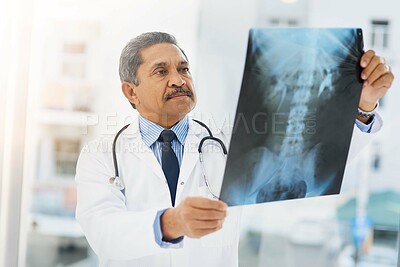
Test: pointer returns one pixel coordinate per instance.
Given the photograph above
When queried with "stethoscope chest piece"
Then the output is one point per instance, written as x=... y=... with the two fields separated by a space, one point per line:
x=117 y=182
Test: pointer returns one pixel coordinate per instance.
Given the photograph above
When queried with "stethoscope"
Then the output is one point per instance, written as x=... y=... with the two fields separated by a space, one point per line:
x=118 y=183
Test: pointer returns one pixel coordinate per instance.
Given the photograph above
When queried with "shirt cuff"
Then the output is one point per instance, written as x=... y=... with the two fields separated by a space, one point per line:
x=365 y=128
x=175 y=243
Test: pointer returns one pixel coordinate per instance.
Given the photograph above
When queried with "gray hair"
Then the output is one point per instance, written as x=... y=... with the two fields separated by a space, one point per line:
x=131 y=59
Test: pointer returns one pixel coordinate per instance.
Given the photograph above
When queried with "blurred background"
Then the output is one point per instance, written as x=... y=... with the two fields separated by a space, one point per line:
x=60 y=88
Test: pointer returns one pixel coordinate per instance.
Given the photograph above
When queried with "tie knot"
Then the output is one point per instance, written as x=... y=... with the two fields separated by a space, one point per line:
x=167 y=136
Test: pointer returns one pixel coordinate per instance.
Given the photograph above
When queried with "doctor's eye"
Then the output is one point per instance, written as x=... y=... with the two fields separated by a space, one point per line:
x=184 y=70
x=161 y=72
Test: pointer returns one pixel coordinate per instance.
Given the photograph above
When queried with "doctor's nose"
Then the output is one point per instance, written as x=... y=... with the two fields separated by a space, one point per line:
x=176 y=80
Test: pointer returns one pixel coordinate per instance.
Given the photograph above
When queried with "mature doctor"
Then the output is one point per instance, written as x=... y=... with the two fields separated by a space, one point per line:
x=165 y=215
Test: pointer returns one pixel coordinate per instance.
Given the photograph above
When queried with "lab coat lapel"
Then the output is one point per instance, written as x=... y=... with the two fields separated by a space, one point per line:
x=190 y=155
x=141 y=150
x=148 y=157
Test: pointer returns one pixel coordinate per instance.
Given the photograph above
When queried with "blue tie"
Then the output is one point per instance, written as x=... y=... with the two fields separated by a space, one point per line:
x=169 y=162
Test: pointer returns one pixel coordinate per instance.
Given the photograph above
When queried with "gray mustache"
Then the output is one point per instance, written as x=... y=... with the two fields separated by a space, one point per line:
x=178 y=91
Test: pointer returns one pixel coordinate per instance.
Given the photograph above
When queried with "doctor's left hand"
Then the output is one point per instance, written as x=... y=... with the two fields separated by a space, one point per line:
x=378 y=78
x=193 y=217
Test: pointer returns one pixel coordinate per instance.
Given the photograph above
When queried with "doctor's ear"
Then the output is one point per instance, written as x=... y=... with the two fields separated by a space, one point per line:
x=129 y=90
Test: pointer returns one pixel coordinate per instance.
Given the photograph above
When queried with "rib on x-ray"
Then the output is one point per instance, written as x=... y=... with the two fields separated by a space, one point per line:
x=295 y=115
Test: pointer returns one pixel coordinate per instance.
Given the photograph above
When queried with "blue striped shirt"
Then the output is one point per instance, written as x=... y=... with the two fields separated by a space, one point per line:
x=150 y=132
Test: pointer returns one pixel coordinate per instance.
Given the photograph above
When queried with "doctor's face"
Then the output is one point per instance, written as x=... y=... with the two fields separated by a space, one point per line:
x=165 y=93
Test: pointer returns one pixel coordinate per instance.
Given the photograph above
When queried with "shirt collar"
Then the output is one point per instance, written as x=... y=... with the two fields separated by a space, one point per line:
x=150 y=131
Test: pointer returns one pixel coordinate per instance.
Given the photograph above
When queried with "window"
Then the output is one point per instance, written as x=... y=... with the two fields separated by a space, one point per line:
x=376 y=159
x=376 y=162
x=66 y=156
x=380 y=34
x=283 y=22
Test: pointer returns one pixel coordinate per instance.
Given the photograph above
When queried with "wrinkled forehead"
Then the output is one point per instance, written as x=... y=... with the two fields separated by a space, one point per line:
x=163 y=53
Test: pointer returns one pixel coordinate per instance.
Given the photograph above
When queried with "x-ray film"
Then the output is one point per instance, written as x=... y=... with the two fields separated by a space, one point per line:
x=295 y=115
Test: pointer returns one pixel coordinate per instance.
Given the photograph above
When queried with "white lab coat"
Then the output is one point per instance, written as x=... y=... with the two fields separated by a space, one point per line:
x=120 y=228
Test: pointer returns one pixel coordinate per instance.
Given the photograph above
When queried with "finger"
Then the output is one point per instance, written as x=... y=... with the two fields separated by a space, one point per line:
x=385 y=81
x=191 y=209
x=201 y=214
x=375 y=61
x=205 y=203
x=380 y=70
x=204 y=225
x=366 y=58
x=203 y=232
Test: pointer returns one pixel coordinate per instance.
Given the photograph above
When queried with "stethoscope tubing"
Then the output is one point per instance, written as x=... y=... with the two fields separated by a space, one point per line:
x=117 y=182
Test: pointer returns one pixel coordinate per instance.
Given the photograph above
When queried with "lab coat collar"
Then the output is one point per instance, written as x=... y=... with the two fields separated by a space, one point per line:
x=140 y=149
x=133 y=130
x=190 y=155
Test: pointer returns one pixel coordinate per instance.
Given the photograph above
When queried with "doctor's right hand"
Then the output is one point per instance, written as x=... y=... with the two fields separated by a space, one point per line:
x=193 y=217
